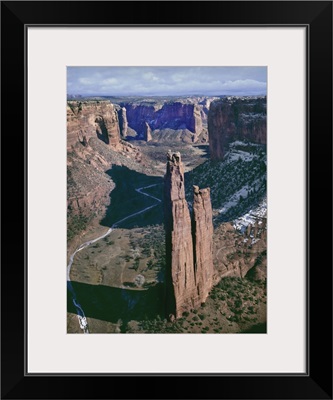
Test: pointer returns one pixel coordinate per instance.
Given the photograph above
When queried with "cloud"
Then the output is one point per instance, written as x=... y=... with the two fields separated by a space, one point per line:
x=86 y=81
x=177 y=77
x=149 y=76
x=246 y=83
x=110 y=81
x=122 y=81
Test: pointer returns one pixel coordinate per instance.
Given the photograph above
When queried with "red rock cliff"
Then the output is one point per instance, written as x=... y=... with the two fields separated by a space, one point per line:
x=189 y=272
x=233 y=119
x=91 y=119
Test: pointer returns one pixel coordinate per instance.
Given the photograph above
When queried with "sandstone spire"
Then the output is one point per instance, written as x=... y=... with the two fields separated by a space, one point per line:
x=179 y=247
x=147 y=133
x=202 y=241
x=123 y=124
x=189 y=269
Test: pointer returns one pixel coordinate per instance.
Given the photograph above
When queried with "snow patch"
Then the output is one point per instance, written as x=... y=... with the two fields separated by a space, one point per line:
x=235 y=154
x=235 y=198
x=251 y=217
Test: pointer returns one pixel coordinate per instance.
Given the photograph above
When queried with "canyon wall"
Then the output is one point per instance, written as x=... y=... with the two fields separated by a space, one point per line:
x=90 y=119
x=233 y=119
x=93 y=145
x=189 y=272
x=161 y=116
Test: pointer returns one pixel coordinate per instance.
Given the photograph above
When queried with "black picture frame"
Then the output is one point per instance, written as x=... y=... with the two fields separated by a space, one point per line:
x=316 y=16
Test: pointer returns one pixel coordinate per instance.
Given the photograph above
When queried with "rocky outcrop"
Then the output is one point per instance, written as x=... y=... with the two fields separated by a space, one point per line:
x=189 y=272
x=123 y=124
x=147 y=133
x=233 y=119
x=90 y=119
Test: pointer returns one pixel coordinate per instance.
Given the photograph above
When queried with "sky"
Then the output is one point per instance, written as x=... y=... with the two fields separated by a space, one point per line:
x=164 y=81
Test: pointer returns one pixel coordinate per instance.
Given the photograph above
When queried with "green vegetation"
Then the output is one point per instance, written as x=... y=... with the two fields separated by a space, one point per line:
x=238 y=293
x=151 y=244
x=159 y=325
x=240 y=310
x=75 y=225
x=229 y=177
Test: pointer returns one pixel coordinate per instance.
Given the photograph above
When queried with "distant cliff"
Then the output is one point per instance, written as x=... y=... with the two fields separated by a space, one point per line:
x=169 y=118
x=175 y=115
x=233 y=119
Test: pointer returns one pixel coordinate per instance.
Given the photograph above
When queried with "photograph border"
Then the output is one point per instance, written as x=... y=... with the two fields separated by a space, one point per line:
x=317 y=382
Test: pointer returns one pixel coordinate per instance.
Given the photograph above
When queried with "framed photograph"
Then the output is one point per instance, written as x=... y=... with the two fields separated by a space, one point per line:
x=177 y=178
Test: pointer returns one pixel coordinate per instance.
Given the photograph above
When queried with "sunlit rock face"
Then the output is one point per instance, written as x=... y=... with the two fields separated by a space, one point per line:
x=91 y=119
x=189 y=273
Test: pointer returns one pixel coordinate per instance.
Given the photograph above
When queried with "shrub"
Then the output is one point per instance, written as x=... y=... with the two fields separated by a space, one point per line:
x=238 y=303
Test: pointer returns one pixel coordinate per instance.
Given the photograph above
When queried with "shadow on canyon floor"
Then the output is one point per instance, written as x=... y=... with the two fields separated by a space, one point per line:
x=258 y=328
x=125 y=200
x=111 y=304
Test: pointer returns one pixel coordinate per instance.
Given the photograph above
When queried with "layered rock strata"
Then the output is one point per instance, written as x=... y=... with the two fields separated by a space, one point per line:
x=93 y=146
x=233 y=119
x=175 y=116
x=88 y=119
x=189 y=272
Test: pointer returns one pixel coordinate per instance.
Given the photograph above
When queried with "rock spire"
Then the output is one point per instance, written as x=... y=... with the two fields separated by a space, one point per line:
x=189 y=273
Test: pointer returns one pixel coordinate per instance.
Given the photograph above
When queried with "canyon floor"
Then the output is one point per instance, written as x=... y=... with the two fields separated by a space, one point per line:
x=119 y=280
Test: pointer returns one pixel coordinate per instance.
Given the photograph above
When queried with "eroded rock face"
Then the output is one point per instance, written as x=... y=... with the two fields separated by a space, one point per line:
x=202 y=241
x=189 y=272
x=90 y=119
x=179 y=247
x=93 y=146
x=235 y=119
x=174 y=116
